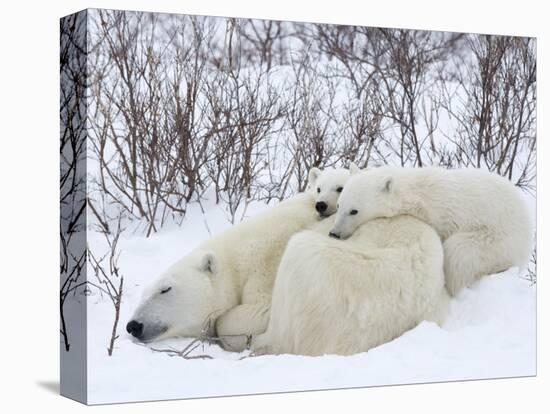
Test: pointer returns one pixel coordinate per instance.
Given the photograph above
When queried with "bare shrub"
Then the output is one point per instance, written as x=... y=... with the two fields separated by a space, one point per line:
x=148 y=134
x=243 y=109
x=182 y=105
x=497 y=117
x=72 y=184
x=108 y=279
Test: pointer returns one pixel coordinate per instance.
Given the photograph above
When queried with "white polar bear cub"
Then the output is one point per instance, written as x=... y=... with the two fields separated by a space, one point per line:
x=481 y=217
x=345 y=297
x=326 y=186
x=227 y=279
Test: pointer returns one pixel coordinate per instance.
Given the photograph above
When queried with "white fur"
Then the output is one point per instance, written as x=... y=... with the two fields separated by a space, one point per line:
x=344 y=297
x=229 y=277
x=326 y=186
x=481 y=217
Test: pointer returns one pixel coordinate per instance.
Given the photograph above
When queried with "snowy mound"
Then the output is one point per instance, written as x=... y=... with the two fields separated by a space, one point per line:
x=490 y=333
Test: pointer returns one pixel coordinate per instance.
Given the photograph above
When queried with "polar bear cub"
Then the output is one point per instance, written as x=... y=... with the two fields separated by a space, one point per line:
x=326 y=186
x=345 y=297
x=481 y=217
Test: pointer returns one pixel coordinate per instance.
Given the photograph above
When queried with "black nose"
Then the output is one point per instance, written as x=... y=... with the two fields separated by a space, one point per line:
x=335 y=235
x=320 y=206
x=134 y=328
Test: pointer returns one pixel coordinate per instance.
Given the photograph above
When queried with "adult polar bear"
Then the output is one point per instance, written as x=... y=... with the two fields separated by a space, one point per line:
x=344 y=297
x=229 y=278
x=481 y=217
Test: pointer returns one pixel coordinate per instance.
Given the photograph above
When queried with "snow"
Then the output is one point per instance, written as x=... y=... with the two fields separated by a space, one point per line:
x=490 y=333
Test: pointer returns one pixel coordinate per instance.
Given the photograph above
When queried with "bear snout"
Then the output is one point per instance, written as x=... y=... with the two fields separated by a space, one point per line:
x=321 y=206
x=135 y=328
x=334 y=235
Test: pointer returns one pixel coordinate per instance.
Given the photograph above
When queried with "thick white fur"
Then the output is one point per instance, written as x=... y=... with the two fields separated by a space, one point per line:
x=343 y=297
x=481 y=217
x=326 y=185
x=229 y=276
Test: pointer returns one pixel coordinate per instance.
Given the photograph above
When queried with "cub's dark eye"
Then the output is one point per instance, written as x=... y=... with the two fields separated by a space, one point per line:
x=165 y=290
x=353 y=212
x=318 y=190
x=339 y=189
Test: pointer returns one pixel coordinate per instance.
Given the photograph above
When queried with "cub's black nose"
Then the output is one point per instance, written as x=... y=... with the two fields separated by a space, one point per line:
x=335 y=235
x=321 y=206
x=134 y=328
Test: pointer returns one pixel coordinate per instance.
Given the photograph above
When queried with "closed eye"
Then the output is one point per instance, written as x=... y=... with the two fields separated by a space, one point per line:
x=165 y=290
x=353 y=212
x=339 y=189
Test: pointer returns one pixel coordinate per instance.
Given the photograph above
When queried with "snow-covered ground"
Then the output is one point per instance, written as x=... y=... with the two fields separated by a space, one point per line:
x=490 y=333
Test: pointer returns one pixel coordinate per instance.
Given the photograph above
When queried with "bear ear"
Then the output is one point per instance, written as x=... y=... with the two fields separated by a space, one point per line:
x=388 y=185
x=354 y=169
x=314 y=173
x=209 y=263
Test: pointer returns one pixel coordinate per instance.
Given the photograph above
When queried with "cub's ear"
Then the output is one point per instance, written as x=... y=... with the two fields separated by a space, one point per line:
x=209 y=263
x=388 y=185
x=314 y=173
x=354 y=169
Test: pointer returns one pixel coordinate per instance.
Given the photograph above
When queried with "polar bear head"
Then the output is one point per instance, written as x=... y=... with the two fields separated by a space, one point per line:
x=326 y=186
x=179 y=302
x=366 y=196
